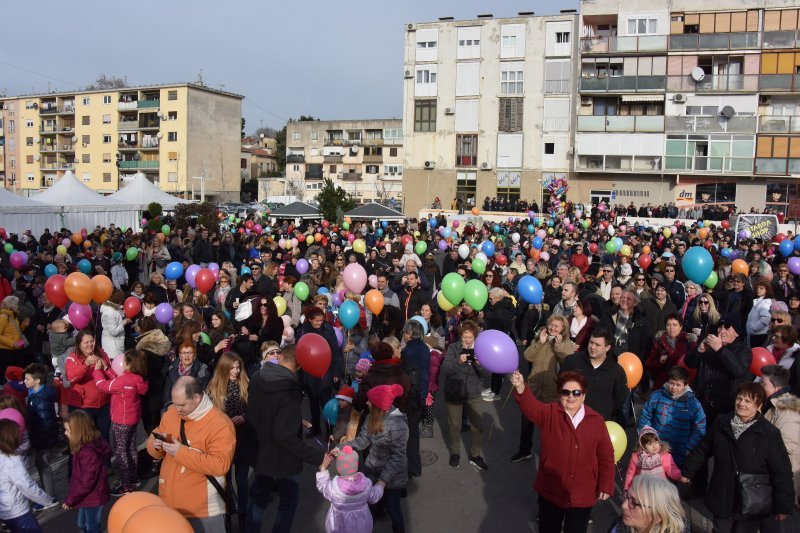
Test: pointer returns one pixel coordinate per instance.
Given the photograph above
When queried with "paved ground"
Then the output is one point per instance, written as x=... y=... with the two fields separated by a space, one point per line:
x=501 y=499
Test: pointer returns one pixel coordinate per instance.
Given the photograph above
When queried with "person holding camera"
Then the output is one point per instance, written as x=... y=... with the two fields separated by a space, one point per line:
x=462 y=378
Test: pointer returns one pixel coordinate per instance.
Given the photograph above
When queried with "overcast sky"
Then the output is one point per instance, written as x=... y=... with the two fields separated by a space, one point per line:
x=332 y=60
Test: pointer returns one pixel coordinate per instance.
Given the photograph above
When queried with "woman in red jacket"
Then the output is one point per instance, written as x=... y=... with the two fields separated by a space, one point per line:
x=576 y=463
x=83 y=392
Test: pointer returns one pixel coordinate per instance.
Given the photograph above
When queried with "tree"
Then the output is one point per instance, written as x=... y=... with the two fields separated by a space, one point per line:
x=333 y=199
x=280 y=148
x=295 y=188
x=107 y=82
x=243 y=122
x=205 y=214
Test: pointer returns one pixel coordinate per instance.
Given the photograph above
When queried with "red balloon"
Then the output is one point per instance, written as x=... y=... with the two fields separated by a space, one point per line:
x=604 y=223
x=325 y=223
x=54 y=289
x=2 y=233
x=314 y=354
x=501 y=260
x=779 y=238
x=131 y=307
x=405 y=239
x=761 y=357
x=204 y=280
x=725 y=224
x=593 y=248
x=249 y=224
x=692 y=371
x=645 y=261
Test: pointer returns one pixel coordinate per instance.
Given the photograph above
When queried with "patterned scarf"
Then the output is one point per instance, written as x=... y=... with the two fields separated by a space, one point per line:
x=650 y=463
x=738 y=426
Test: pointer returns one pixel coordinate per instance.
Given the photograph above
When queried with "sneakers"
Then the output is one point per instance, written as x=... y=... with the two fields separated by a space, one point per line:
x=521 y=456
x=478 y=463
x=426 y=432
x=119 y=490
x=491 y=397
x=486 y=392
x=455 y=459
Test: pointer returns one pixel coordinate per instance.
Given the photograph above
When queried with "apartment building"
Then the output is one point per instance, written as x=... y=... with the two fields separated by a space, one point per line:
x=688 y=103
x=171 y=133
x=364 y=157
x=487 y=107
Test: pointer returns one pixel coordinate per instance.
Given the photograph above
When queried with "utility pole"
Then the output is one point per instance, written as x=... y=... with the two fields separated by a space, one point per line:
x=202 y=187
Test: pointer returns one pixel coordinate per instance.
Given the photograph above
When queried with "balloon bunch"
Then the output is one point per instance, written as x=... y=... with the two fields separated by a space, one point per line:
x=455 y=289
x=145 y=511
x=557 y=187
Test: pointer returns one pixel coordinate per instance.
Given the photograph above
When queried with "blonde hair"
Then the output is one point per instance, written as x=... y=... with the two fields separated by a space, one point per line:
x=58 y=323
x=374 y=421
x=218 y=388
x=713 y=313
x=660 y=502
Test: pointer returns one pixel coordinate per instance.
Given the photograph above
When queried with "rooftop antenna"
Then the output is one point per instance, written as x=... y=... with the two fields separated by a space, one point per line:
x=200 y=77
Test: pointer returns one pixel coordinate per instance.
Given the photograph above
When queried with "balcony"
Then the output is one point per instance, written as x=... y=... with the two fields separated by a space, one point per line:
x=619 y=124
x=778 y=124
x=149 y=144
x=295 y=158
x=779 y=82
x=780 y=39
x=139 y=164
x=729 y=83
x=372 y=142
x=70 y=147
x=149 y=104
x=127 y=125
x=59 y=165
x=618 y=163
x=313 y=175
x=67 y=110
x=714 y=41
x=128 y=106
x=779 y=166
x=712 y=124
x=48 y=130
x=351 y=176
x=373 y=159
x=602 y=44
x=48 y=109
x=719 y=164
x=332 y=159
x=623 y=84
x=48 y=147
x=128 y=146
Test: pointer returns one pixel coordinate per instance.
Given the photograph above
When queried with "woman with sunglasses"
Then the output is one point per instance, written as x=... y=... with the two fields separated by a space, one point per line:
x=640 y=286
x=693 y=291
x=576 y=463
x=704 y=318
x=652 y=505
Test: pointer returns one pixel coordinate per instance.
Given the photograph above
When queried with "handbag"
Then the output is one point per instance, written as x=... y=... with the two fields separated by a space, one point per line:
x=455 y=389
x=754 y=491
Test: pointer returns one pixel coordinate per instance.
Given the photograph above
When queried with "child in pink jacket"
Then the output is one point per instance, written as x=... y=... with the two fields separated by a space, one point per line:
x=651 y=459
x=126 y=392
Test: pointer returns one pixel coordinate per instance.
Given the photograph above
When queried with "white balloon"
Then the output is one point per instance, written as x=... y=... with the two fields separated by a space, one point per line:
x=611 y=230
x=515 y=237
x=463 y=251
x=482 y=256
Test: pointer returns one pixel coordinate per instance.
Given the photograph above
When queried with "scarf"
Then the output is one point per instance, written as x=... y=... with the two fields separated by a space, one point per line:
x=650 y=464
x=739 y=426
x=184 y=370
x=205 y=406
x=576 y=326
x=233 y=404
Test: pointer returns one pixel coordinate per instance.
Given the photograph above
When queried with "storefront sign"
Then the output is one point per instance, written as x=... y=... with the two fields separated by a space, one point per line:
x=685 y=195
x=762 y=227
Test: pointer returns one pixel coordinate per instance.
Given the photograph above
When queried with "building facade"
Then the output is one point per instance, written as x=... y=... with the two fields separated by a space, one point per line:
x=487 y=109
x=364 y=157
x=171 y=133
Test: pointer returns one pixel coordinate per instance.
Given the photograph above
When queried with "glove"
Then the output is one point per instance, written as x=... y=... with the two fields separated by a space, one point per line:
x=429 y=400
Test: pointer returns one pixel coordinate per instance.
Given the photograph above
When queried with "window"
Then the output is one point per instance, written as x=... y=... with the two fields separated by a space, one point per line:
x=296 y=136
x=86 y=158
x=296 y=168
x=172 y=156
x=469 y=42
x=172 y=136
x=13 y=177
x=512 y=40
x=106 y=176
x=372 y=169
x=425 y=115
x=509 y=41
x=511 y=79
x=172 y=95
x=468 y=78
x=706 y=110
x=426 y=44
x=332 y=169
x=28 y=141
x=641 y=26
x=392 y=170
x=425 y=81
x=28 y=123
x=393 y=134
x=85 y=100
x=87 y=176
x=315 y=135
x=509 y=150
x=172 y=177
x=508 y=184
x=562 y=37
x=426 y=76
x=11 y=126
x=106 y=100
x=29 y=159
x=549 y=148
x=85 y=140
x=172 y=115
x=106 y=139
x=106 y=158
x=85 y=120
x=106 y=119
x=466 y=150
x=466 y=185
x=29 y=104
x=715 y=193
x=392 y=152
x=243 y=163
x=31 y=177
x=511 y=114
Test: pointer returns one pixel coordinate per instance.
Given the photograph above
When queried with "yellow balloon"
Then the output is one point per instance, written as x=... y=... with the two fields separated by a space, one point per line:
x=61 y=249
x=310 y=239
x=359 y=246
x=444 y=304
x=280 y=304
x=288 y=245
x=667 y=232
x=549 y=231
x=416 y=234
x=618 y=439
x=625 y=250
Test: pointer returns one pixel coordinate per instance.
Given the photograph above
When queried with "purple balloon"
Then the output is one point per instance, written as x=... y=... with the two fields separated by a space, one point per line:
x=80 y=315
x=213 y=267
x=302 y=266
x=496 y=352
x=744 y=234
x=191 y=272
x=442 y=245
x=337 y=299
x=17 y=260
x=339 y=336
x=164 y=311
x=794 y=265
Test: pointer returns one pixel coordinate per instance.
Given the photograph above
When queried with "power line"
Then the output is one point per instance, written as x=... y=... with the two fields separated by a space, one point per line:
x=249 y=101
x=38 y=73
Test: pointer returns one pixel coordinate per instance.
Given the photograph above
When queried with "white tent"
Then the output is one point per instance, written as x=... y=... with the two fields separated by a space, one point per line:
x=141 y=191
x=18 y=214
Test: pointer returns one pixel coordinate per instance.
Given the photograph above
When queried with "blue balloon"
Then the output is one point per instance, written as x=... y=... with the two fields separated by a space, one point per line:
x=618 y=242
x=537 y=242
x=725 y=252
x=50 y=270
x=550 y=223
x=537 y=220
x=331 y=411
x=496 y=228
x=385 y=224
x=786 y=247
x=255 y=253
x=446 y=233
x=530 y=228
x=85 y=266
x=323 y=290
x=349 y=314
x=797 y=243
x=530 y=289
x=379 y=232
x=697 y=264
x=174 y=270
x=245 y=270
x=432 y=223
x=421 y=321
x=700 y=223
x=488 y=248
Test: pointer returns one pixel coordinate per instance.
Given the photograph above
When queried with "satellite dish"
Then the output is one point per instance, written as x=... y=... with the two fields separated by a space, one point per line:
x=354 y=149
x=698 y=74
x=727 y=111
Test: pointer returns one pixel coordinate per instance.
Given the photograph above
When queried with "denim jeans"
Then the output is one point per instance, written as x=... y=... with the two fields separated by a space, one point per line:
x=260 y=495
x=24 y=524
x=89 y=519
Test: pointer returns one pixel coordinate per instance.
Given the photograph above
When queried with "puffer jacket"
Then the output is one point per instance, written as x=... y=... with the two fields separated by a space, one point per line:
x=680 y=422
x=42 y=422
x=17 y=487
x=759 y=316
x=658 y=370
x=113 y=338
x=88 y=486
x=472 y=373
x=545 y=359
x=126 y=394
x=9 y=330
x=82 y=391
x=387 y=458
x=785 y=415
x=719 y=374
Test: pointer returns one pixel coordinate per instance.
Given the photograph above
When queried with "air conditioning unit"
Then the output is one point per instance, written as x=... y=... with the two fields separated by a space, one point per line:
x=486 y=166
x=429 y=165
x=449 y=111
x=408 y=75
x=411 y=27
x=586 y=100
x=764 y=100
x=85 y=145
x=679 y=98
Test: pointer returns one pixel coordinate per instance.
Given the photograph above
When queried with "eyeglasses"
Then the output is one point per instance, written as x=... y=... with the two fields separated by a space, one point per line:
x=777 y=337
x=274 y=352
x=776 y=320
x=187 y=353
x=633 y=503
x=639 y=279
x=669 y=270
x=577 y=393
x=489 y=276
x=607 y=270
x=703 y=302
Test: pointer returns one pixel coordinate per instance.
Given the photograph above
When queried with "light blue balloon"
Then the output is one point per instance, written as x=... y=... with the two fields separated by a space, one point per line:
x=421 y=320
x=379 y=232
x=697 y=264
x=618 y=242
x=323 y=290
x=550 y=223
x=50 y=270
x=496 y=228
x=245 y=270
x=349 y=314
x=85 y=266
x=530 y=228
x=385 y=224
x=446 y=233
x=330 y=412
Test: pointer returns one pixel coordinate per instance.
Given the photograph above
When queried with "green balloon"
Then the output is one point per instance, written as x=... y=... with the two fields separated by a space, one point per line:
x=346 y=225
x=711 y=280
x=132 y=253
x=165 y=230
x=453 y=288
x=420 y=248
x=475 y=294
x=204 y=338
x=301 y=290
x=8 y=248
x=478 y=266
x=611 y=247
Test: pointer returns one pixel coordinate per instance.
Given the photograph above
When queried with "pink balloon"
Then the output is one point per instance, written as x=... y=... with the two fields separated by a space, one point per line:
x=118 y=364
x=541 y=234
x=355 y=277
x=12 y=414
x=16 y=260
x=258 y=229
x=544 y=256
x=373 y=281
x=294 y=243
x=351 y=238
x=66 y=243
x=282 y=243
x=601 y=208
x=80 y=315
x=455 y=223
x=556 y=242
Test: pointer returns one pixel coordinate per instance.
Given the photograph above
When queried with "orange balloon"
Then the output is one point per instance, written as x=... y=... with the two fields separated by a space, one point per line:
x=127 y=506
x=101 y=288
x=645 y=250
x=739 y=266
x=702 y=233
x=76 y=238
x=87 y=244
x=79 y=288
x=632 y=367
x=318 y=237
x=374 y=301
x=161 y=236
x=157 y=518
x=476 y=211
x=535 y=254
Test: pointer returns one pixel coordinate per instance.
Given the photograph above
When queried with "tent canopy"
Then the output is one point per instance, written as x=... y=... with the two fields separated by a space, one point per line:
x=70 y=192
x=373 y=211
x=296 y=210
x=9 y=199
x=141 y=192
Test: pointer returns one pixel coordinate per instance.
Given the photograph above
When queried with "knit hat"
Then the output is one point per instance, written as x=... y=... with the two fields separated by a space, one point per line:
x=14 y=373
x=778 y=306
x=735 y=321
x=645 y=430
x=382 y=352
x=363 y=365
x=346 y=393
x=382 y=396
x=347 y=461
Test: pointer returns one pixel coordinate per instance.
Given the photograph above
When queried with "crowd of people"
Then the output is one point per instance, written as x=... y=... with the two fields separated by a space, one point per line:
x=205 y=336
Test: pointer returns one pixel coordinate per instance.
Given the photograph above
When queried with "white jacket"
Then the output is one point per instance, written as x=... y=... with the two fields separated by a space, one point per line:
x=113 y=340
x=758 y=318
x=17 y=487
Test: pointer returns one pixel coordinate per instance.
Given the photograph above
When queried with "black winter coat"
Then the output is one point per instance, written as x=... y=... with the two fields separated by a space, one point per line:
x=500 y=316
x=43 y=426
x=607 y=385
x=640 y=336
x=719 y=374
x=759 y=450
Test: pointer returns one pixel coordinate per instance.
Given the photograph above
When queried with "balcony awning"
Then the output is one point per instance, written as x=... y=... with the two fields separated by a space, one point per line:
x=642 y=97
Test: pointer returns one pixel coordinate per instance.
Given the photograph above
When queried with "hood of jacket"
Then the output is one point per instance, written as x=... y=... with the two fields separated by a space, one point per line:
x=277 y=378
x=108 y=306
x=154 y=341
x=686 y=396
x=787 y=401
x=100 y=446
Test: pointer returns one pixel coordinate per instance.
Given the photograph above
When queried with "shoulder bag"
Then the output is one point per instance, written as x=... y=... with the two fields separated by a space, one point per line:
x=754 y=492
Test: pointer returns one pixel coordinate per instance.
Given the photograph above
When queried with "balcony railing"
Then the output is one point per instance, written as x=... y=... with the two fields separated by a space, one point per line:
x=334 y=142
x=372 y=142
x=616 y=123
x=48 y=109
x=779 y=166
x=623 y=84
x=47 y=147
x=124 y=106
x=778 y=124
x=602 y=44
x=295 y=158
x=332 y=159
x=714 y=83
x=48 y=130
x=67 y=110
x=781 y=39
x=123 y=125
x=145 y=104
x=314 y=175
x=128 y=145
x=151 y=144
x=618 y=163
x=557 y=86
x=351 y=176
x=715 y=41
x=779 y=82
x=138 y=164
x=703 y=163
x=712 y=124
x=62 y=165
x=373 y=159
x=148 y=124
x=65 y=147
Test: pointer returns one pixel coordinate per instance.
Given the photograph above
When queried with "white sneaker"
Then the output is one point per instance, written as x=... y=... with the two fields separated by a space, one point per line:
x=491 y=397
x=486 y=392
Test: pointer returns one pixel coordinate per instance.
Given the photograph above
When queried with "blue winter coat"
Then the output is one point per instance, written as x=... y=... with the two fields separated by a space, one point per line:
x=681 y=422
x=42 y=422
